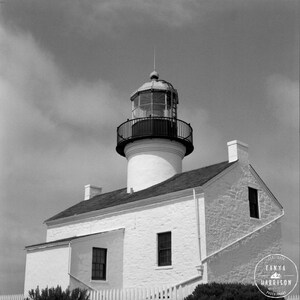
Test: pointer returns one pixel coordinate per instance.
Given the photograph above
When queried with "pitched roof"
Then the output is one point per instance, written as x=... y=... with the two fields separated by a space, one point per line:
x=178 y=182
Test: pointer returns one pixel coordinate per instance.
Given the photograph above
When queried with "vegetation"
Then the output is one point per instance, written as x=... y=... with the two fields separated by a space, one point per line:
x=227 y=291
x=58 y=294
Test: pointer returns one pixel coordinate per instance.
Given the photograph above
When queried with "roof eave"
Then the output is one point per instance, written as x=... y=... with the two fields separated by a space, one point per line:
x=164 y=198
x=67 y=241
x=139 y=203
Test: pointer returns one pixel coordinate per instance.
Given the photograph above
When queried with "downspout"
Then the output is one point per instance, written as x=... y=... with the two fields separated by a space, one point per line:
x=69 y=262
x=199 y=268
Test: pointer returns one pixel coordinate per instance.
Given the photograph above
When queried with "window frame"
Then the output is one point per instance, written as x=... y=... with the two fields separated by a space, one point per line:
x=95 y=269
x=253 y=198
x=161 y=249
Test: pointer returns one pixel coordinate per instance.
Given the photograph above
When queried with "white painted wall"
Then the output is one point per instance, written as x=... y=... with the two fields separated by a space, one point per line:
x=48 y=267
x=140 y=241
x=227 y=218
x=81 y=259
x=227 y=208
x=237 y=263
x=151 y=161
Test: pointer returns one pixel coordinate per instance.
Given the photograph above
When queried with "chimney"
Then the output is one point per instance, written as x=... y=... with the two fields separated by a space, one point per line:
x=91 y=191
x=238 y=151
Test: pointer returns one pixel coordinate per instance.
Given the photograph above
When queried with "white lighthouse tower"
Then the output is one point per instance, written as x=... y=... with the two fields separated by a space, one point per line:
x=154 y=141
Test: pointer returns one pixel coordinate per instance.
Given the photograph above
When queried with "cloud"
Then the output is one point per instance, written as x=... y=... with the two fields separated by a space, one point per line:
x=48 y=121
x=114 y=15
x=109 y=15
x=283 y=99
x=106 y=16
x=54 y=133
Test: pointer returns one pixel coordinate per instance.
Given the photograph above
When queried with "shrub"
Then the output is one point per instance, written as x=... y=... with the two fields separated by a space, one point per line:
x=58 y=294
x=227 y=291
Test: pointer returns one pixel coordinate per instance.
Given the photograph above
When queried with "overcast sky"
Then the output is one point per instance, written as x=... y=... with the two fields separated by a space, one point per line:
x=68 y=68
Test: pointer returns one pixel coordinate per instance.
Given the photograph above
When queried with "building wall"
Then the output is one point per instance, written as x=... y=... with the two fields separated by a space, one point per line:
x=48 y=267
x=82 y=258
x=227 y=219
x=237 y=263
x=227 y=208
x=140 y=240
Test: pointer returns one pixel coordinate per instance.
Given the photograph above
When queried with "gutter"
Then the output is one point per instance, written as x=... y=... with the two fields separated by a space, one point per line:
x=242 y=238
x=121 y=208
x=137 y=204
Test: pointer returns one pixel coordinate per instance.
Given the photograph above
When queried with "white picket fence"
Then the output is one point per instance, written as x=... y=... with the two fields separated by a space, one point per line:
x=293 y=297
x=171 y=293
x=12 y=297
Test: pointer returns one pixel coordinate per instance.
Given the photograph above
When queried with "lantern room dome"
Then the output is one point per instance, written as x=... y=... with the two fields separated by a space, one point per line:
x=155 y=84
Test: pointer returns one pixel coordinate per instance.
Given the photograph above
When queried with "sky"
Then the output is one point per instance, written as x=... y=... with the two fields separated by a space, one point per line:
x=68 y=68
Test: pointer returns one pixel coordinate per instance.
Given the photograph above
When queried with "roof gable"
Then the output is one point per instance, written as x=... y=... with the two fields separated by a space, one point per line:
x=178 y=182
x=265 y=187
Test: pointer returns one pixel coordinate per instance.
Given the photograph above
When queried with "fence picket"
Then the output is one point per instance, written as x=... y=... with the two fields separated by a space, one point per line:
x=145 y=293
x=12 y=297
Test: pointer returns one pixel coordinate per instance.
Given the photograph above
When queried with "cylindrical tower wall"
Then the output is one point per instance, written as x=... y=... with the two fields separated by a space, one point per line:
x=151 y=161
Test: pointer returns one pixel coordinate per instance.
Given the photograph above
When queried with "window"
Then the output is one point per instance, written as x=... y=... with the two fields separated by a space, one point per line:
x=164 y=249
x=253 y=202
x=99 y=264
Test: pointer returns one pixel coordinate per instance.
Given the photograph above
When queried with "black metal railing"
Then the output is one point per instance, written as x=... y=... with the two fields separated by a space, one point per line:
x=154 y=127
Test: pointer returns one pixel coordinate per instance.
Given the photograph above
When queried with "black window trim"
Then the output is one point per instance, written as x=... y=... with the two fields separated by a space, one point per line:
x=168 y=263
x=94 y=263
x=253 y=202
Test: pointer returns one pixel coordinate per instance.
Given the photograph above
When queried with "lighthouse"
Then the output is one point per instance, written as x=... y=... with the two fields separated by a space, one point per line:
x=154 y=141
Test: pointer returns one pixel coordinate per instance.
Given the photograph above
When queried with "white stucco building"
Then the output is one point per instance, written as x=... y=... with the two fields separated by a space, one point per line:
x=167 y=226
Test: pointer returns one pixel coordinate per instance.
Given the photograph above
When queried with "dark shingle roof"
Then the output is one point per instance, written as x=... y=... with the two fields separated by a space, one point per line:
x=178 y=182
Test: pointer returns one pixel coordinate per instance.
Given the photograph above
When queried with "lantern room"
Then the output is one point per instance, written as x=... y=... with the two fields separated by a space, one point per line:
x=156 y=98
x=154 y=115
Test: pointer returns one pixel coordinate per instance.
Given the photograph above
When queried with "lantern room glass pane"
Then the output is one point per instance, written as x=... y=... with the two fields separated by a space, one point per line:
x=136 y=101
x=158 y=98
x=145 y=110
x=139 y=113
x=145 y=98
x=154 y=104
x=169 y=102
x=158 y=110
